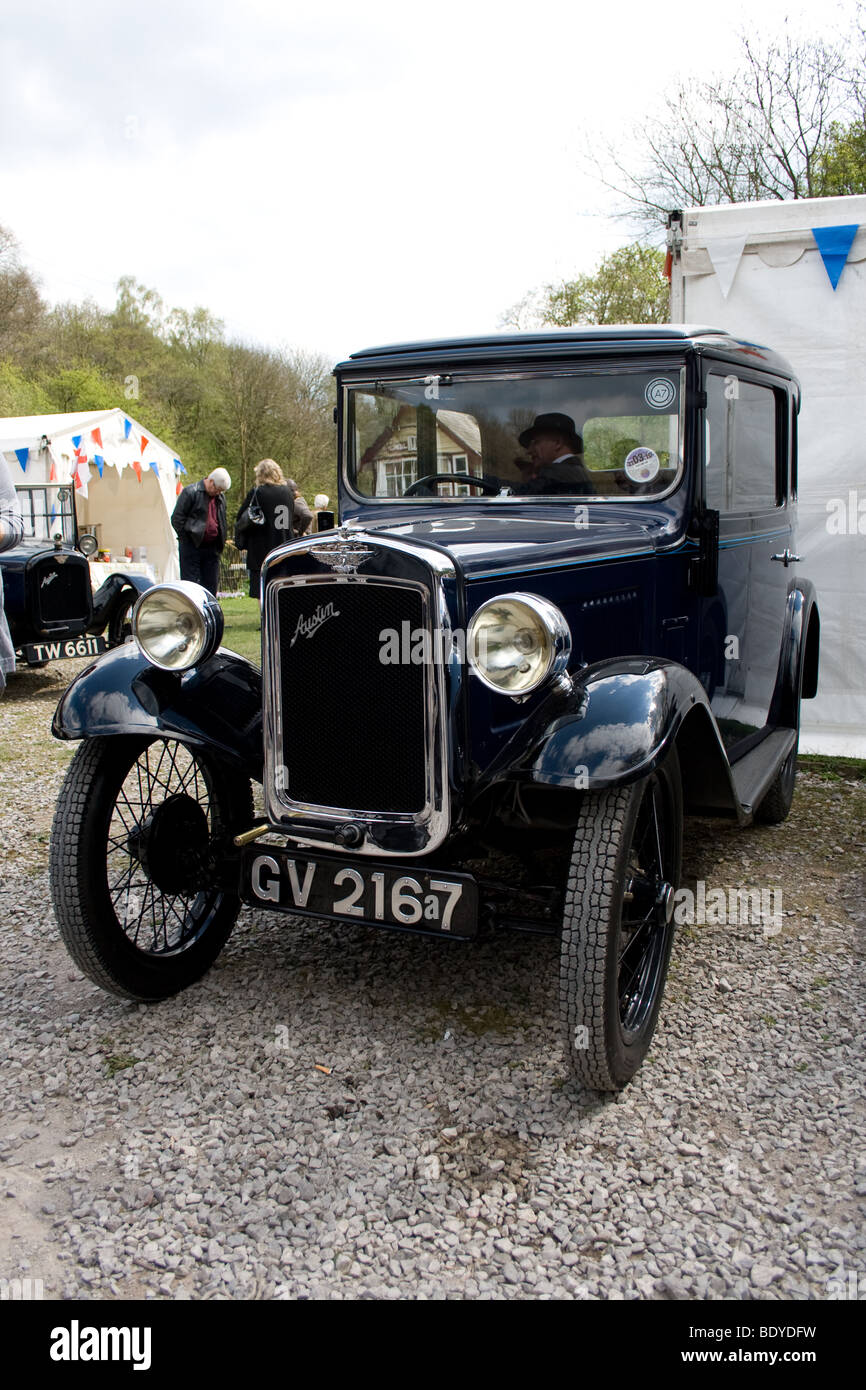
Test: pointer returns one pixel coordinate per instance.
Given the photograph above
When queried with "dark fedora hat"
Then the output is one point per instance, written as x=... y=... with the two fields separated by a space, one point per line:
x=553 y=424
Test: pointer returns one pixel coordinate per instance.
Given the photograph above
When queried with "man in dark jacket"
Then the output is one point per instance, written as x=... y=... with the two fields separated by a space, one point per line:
x=556 y=453
x=199 y=518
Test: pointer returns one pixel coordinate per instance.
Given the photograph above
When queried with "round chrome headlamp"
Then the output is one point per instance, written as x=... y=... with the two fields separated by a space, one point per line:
x=177 y=625
x=516 y=642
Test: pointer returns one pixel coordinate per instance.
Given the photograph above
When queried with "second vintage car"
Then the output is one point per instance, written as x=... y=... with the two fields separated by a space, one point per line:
x=562 y=609
x=52 y=612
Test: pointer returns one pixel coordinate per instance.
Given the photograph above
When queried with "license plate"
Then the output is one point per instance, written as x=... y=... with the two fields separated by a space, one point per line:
x=37 y=653
x=392 y=896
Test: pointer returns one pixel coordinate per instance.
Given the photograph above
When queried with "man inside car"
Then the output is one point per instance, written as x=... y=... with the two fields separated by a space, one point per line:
x=556 y=458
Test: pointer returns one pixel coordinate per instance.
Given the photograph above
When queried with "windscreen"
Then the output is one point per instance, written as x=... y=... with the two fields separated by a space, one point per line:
x=609 y=434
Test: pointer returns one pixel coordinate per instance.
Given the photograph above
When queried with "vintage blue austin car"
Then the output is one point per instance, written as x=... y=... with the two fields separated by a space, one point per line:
x=562 y=608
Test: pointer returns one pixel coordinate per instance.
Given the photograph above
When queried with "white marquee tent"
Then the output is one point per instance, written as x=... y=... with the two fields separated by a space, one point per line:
x=125 y=480
x=793 y=275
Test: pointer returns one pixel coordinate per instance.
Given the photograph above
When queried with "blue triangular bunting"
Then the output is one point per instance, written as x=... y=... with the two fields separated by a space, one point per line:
x=22 y=456
x=76 y=440
x=154 y=465
x=100 y=463
x=127 y=426
x=834 y=243
x=178 y=466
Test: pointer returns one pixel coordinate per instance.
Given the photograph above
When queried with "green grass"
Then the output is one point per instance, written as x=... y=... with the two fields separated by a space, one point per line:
x=834 y=769
x=243 y=627
x=119 y=1061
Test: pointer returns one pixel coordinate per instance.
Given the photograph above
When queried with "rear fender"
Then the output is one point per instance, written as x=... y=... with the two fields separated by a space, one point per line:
x=217 y=705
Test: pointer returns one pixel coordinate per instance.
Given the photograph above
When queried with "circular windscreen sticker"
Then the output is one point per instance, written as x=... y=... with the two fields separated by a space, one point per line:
x=642 y=465
x=660 y=393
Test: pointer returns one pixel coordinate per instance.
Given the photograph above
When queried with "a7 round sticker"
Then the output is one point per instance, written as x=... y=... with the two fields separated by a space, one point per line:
x=641 y=465
x=659 y=393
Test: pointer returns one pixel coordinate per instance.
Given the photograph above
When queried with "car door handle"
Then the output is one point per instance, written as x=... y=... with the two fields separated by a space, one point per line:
x=787 y=558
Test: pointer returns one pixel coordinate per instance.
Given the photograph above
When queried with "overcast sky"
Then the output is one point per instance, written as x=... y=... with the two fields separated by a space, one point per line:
x=335 y=176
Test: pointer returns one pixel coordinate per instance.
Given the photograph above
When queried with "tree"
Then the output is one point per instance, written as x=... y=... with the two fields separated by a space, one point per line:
x=763 y=133
x=21 y=307
x=842 y=161
x=629 y=286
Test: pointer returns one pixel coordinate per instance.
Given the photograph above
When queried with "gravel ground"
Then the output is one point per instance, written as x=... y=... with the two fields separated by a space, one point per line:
x=196 y=1149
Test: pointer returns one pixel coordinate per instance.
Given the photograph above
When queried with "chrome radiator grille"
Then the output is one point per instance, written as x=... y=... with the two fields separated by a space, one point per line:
x=62 y=590
x=353 y=730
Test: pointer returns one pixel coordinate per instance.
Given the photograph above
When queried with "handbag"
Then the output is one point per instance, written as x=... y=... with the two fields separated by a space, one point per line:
x=254 y=510
x=249 y=515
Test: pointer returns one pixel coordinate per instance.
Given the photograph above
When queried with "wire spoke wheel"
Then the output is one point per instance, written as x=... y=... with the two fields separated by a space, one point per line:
x=140 y=828
x=618 y=924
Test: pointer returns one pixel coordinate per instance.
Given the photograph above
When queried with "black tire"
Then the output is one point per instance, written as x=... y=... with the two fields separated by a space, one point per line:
x=120 y=623
x=777 y=802
x=618 y=924
x=135 y=843
x=775 y=806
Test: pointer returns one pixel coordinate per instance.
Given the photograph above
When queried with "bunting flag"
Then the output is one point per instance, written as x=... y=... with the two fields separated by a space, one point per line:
x=834 y=243
x=82 y=477
x=53 y=512
x=178 y=488
x=76 y=442
x=127 y=426
x=155 y=466
x=52 y=476
x=178 y=466
x=137 y=466
x=22 y=456
x=725 y=252
x=96 y=436
x=99 y=461
x=144 y=443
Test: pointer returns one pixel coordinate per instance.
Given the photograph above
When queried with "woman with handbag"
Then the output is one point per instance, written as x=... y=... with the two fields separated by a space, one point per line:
x=265 y=519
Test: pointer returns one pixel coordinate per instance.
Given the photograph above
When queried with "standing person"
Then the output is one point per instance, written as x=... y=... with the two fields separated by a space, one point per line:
x=11 y=532
x=199 y=518
x=303 y=515
x=272 y=498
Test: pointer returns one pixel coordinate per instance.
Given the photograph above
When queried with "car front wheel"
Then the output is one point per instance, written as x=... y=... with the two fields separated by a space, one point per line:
x=618 y=924
x=140 y=829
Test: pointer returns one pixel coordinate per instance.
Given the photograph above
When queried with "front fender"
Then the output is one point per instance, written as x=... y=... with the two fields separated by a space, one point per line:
x=113 y=595
x=217 y=705
x=618 y=723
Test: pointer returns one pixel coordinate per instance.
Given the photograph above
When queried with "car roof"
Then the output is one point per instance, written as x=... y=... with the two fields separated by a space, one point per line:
x=572 y=342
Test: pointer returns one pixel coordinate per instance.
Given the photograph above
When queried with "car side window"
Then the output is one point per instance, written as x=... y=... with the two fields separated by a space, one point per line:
x=741 y=445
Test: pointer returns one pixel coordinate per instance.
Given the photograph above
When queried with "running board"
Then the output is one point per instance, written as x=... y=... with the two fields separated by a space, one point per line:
x=754 y=773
